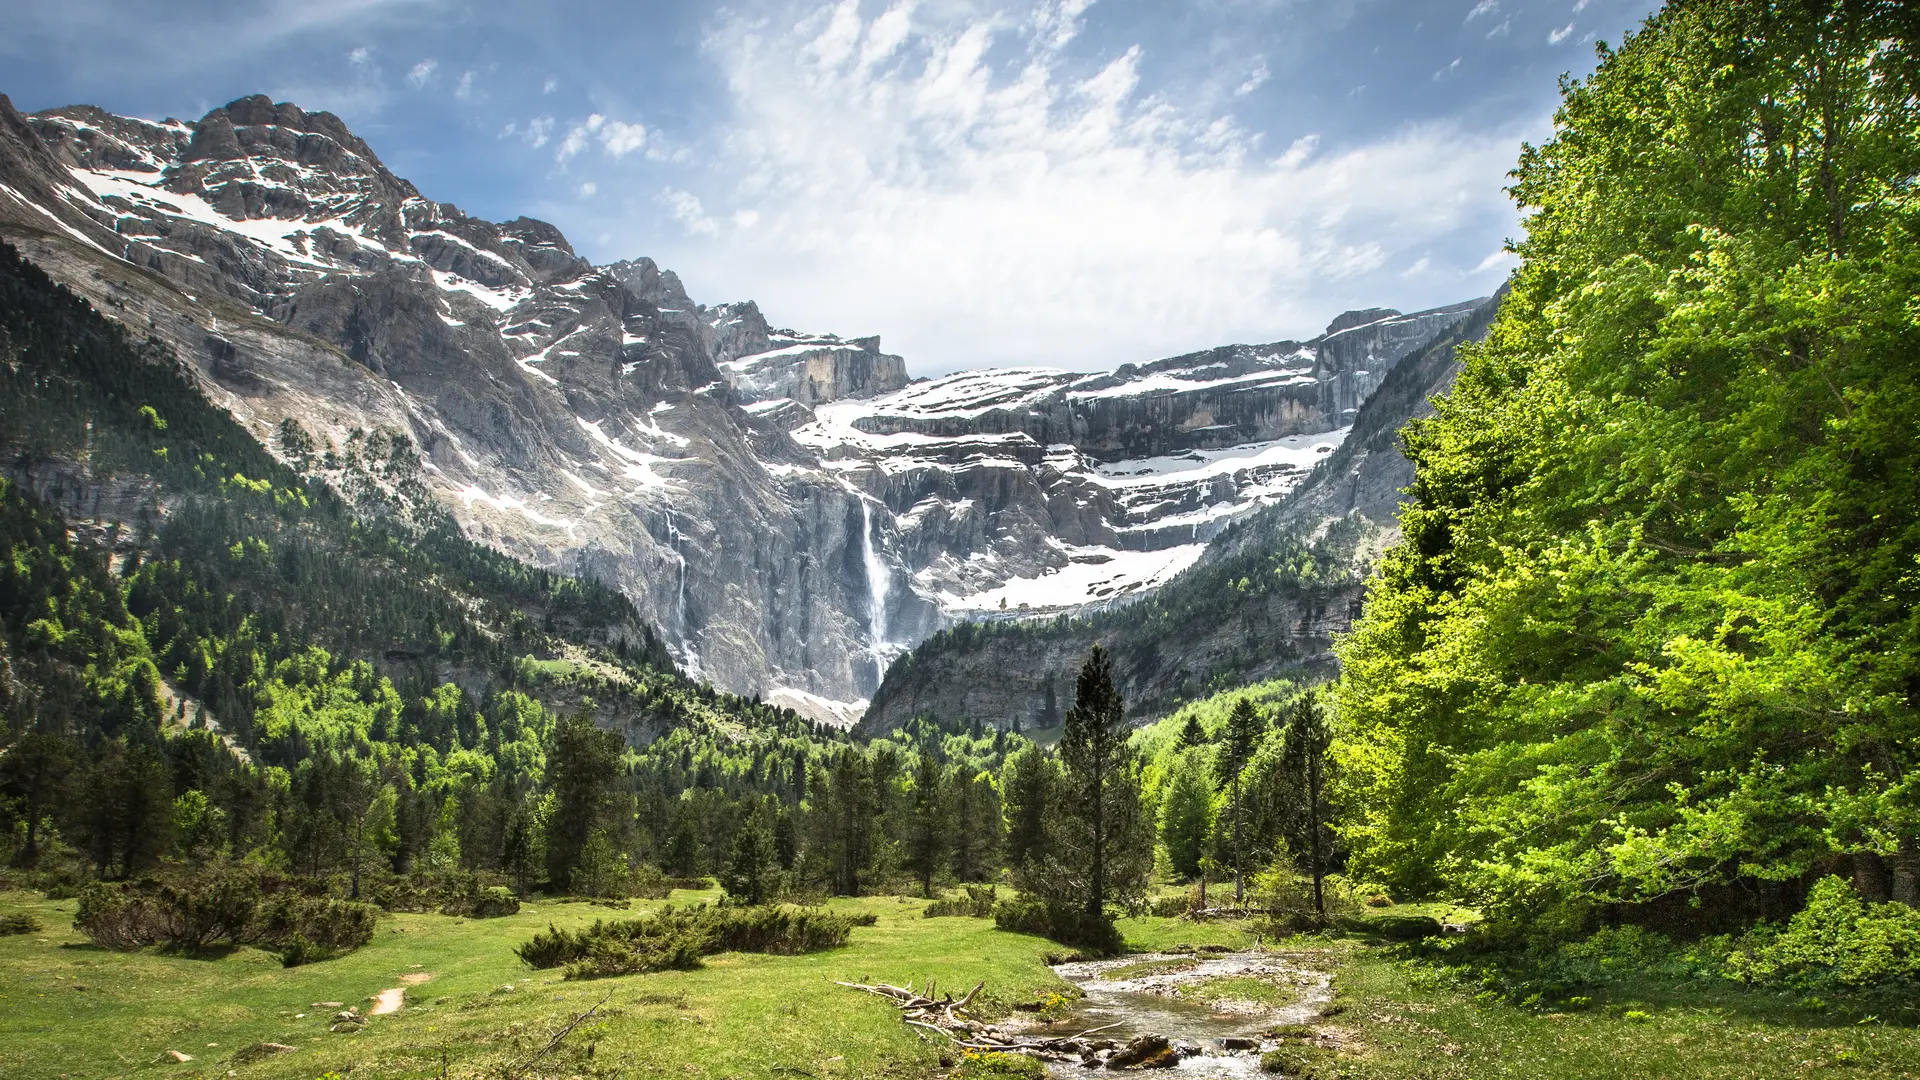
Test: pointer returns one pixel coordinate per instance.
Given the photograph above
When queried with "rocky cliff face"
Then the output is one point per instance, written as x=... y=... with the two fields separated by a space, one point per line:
x=787 y=507
x=1243 y=612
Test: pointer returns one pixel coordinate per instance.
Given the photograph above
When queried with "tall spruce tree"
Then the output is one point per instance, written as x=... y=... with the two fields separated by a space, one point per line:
x=1104 y=839
x=583 y=771
x=1186 y=815
x=1244 y=728
x=1029 y=786
x=1308 y=739
x=928 y=824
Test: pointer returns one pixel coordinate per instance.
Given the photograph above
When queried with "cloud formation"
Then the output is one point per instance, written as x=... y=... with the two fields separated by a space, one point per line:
x=884 y=171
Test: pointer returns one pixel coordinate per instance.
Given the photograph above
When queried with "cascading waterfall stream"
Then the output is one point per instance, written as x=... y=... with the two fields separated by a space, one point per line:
x=877 y=585
x=690 y=657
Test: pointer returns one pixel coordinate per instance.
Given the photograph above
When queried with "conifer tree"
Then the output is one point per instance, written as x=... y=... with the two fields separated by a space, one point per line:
x=928 y=825
x=1105 y=841
x=753 y=867
x=1244 y=728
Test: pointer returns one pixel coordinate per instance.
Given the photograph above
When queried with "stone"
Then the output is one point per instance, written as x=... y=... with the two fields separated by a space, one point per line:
x=1140 y=1050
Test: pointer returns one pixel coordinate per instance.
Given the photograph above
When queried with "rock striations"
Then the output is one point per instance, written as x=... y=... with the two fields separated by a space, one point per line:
x=790 y=509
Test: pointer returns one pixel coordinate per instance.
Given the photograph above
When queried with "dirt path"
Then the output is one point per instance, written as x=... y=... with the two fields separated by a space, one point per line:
x=389 y=1001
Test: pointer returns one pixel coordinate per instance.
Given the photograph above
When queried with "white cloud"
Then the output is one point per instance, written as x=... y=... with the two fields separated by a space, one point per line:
x=1254 y=81
x=622 y=139
x=1499 y=258
x=1555 y=37
x=422 y=73
x=981 y=197
x=550 y=85
x=360 y=57
x=685 y=208
x=1448 y=70
x=1484 y=7
x=1419 y=267
x=465 y=89
x=616 y=137
x=1579 y=6
x=537 y=132
x=1505 y=27
x=588 y=188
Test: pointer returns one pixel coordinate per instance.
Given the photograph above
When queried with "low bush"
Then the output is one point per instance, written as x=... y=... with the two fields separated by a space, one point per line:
x=649 y=883
x=223 y=906
x=1837 y=943
x=483 y=902
x=976 y=903
x=975 y=1065
x=1058 y=922
x=676 y=938
x=18 y=924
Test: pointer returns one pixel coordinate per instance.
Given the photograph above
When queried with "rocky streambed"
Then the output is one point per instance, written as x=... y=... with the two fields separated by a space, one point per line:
x=1203 y=1014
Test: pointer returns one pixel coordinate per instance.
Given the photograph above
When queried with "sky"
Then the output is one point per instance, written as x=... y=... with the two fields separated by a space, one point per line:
x=1064 y=183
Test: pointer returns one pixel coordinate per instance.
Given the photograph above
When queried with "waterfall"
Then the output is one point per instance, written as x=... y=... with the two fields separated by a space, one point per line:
x=690 y=659
x=877 y=584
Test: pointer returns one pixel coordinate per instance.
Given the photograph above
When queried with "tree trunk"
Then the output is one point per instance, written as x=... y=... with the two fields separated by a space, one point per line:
x=1870 y=877
x=1239 y=880
x=1313 y=825
x=1906 y=872
x=1097 y=895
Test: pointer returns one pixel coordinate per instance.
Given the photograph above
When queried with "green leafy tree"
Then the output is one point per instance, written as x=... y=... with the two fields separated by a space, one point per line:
x=1650 y=631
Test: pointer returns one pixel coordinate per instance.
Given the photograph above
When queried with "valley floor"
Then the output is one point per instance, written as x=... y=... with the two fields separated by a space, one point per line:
x=71 y=1011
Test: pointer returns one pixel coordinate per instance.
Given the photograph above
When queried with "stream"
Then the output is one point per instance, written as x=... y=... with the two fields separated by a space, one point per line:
x=1164 y=1000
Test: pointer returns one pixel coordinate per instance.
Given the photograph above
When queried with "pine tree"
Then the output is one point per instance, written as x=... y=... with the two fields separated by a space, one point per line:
x=1192 y=734
x=1029 y=784
x=1307 y=741
x=1244 y=728
x=1104 y=838
x=582 y=772
x=928 y=824
x=1186 y=815
x=753 y=867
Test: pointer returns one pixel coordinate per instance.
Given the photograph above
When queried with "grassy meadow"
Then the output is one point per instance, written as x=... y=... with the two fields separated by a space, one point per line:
x=69 y=1010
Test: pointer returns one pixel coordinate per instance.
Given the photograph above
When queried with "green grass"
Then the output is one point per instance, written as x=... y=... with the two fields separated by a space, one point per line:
x=1400 y=1026
x=741 y=1015
x=70 y=1010
x=1149 y=967
x=1249 y=988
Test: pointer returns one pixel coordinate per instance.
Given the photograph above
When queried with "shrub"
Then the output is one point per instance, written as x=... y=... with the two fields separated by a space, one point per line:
x=1067 y=925
x=676 y=938
x=230 y=906
x=649 y=883
x=18 y=924
x=977 y=903
x=483 y=902
x=977 y=1064
x=1838 y=941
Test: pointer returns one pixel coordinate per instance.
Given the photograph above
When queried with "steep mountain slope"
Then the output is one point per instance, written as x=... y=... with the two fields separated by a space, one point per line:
x=1263 y=602
x=786 y=507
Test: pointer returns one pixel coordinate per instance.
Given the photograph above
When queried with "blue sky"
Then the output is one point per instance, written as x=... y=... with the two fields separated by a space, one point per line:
x=1074 y=183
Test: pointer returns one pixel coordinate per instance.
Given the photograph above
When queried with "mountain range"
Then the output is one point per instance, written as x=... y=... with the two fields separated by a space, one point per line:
x=791 y=510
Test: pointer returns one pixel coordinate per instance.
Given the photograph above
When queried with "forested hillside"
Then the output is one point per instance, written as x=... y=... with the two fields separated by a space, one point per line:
x=1649 y=650
x=224 y=660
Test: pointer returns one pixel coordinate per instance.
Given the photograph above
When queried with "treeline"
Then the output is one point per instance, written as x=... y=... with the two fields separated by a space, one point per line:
x=1649 y=652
